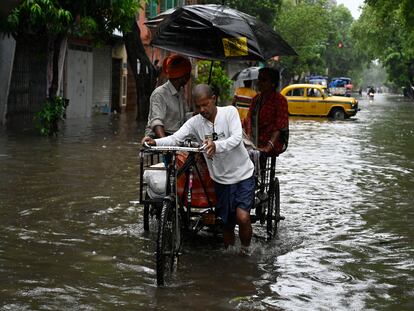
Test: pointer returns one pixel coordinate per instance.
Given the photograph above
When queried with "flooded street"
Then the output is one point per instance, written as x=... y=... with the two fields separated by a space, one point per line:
x=72 y=236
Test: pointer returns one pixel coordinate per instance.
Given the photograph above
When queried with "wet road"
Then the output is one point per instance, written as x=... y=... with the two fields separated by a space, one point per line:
x=72 y=235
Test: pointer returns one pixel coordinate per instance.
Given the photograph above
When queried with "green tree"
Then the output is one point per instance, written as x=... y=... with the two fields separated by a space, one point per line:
x=304 y=25
x=339 y=54
x=265 y=10
x=385 y=32
x=320 y=31
x=388 y=7
x=219 y=81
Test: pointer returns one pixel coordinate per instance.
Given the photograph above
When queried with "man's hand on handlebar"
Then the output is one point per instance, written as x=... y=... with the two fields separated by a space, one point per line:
x=148 y=140
x=210 y=148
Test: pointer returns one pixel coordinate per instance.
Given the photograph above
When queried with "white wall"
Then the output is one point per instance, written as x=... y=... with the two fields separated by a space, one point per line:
x=79 y=83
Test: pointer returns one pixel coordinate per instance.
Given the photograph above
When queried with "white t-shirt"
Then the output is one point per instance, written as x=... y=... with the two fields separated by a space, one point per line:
x=231 y=163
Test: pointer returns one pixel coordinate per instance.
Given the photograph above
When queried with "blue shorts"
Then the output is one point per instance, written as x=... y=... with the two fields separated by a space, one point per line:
x=231 y=197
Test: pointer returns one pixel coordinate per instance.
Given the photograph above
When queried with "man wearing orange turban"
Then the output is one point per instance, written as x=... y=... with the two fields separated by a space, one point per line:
x=168 y=109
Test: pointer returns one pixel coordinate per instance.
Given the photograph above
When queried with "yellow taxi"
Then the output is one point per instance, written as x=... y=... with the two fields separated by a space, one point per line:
x=315 y=100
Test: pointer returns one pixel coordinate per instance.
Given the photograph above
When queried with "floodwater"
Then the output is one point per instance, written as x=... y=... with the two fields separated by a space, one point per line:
x=72 y=236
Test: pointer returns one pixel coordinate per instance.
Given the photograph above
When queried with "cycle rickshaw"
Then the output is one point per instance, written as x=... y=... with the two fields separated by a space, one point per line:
x=217 y=33
x=179 y=212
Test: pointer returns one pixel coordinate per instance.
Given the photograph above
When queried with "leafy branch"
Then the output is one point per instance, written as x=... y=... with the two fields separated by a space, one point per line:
x=47 y=119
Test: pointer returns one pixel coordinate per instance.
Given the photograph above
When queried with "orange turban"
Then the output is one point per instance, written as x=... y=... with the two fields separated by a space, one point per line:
x=176 y=66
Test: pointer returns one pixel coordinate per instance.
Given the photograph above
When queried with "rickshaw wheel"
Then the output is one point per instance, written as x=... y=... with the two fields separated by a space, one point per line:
x=167 y=244
x=273 y=209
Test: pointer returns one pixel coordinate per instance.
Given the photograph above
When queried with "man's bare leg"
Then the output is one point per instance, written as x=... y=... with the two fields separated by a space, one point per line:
x=245 y=226
x=228 y=237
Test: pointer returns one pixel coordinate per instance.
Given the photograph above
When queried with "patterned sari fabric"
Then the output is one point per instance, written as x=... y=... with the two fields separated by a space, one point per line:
x=271 y=115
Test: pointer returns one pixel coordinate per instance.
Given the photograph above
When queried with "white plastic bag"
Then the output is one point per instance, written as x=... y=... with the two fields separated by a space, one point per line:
x=155 y=180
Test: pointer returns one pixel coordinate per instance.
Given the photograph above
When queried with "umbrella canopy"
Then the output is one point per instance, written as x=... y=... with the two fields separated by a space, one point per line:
x=251 y=73
x=216 y=32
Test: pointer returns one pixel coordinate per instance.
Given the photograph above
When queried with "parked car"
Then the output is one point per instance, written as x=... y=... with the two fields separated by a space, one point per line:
x=315 y=100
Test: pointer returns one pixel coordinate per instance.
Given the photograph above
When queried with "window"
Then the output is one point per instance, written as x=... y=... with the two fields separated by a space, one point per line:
x=296 y=92
x=314 y=93
x=152 y=6
x=151 y=9
x=167 y=4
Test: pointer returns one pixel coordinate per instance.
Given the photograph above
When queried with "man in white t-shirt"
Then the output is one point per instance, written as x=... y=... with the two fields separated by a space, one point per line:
x=227 y=159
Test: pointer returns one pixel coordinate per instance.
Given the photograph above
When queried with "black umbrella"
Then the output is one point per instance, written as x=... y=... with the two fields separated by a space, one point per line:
x=216 y=32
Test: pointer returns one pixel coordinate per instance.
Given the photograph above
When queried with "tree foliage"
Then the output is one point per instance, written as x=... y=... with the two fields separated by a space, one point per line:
x=220 y=82
x=385 y=8
x=38 y=17
x=46 y=120
x=97 y=18
x=340 y=54
x=304 y=26
x=320 y=31
x=385 y=32
x=265 y=10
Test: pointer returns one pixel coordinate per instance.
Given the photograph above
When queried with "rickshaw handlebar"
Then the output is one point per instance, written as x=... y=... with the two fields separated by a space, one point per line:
x=174 y=148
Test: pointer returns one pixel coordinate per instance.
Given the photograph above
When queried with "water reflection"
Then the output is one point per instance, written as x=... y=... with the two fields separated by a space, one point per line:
x=72 y=236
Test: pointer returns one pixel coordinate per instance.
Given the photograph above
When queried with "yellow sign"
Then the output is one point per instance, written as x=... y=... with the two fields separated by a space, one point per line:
x=235 y=46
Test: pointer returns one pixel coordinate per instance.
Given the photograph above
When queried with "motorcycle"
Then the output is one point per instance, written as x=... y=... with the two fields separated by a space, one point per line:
x=371 y=95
